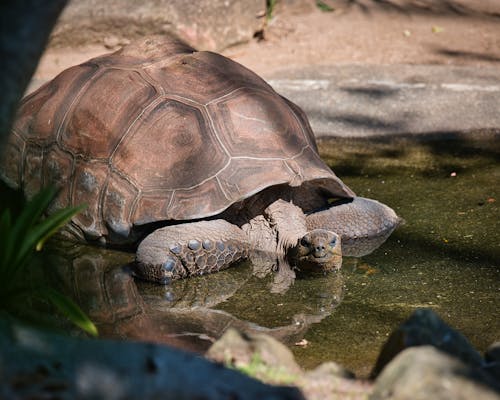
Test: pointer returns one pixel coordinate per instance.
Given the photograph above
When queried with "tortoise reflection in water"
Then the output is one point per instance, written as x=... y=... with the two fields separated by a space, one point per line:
x=158 y=134
x=188 y=313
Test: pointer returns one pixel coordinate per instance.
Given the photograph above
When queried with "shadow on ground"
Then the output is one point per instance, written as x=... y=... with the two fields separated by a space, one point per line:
x=431 y=154
x=444 y=184
x=466 y=55
x=426 y=7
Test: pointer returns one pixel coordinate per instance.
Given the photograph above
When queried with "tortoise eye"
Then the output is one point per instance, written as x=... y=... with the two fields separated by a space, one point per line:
x=305 y=242
x=333 y=242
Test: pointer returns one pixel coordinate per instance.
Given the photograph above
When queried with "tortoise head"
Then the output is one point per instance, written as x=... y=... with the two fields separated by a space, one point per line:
x=319 y=248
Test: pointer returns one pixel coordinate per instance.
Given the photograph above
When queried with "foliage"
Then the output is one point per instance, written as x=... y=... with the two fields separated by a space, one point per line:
x=270 y=5
x=257 y=368
x=22 y=234
x=324 y=6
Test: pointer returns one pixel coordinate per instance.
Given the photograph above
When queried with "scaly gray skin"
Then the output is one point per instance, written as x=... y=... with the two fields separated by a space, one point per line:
x=281 y=229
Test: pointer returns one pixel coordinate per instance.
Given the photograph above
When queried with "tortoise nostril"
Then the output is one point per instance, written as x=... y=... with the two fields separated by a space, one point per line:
x=320 y=248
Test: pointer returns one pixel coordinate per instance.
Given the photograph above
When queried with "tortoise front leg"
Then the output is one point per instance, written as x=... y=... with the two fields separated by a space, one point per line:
x=363 y=224
x=194 y=248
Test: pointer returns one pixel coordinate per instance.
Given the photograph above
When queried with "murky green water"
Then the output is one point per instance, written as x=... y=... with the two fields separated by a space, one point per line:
x=446 y=256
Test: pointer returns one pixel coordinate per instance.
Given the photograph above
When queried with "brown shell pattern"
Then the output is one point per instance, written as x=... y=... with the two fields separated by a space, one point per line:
x=159 y=131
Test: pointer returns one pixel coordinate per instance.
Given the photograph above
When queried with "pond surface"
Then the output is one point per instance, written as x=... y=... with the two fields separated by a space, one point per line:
x=446 y=256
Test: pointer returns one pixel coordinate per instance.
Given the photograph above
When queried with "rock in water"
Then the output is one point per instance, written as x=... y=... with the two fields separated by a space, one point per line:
x=425 y=327
x=420 y=373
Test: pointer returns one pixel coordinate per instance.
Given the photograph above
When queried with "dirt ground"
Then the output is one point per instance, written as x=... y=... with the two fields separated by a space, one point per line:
x=452 y=32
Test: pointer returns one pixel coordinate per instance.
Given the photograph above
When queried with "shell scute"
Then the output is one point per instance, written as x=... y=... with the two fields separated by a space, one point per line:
x=144 y=52
x=104 y=112
x=203 y=77
x=32 y=173
x=58 y=167
x=42 y=113
x=259 y=124
x=13 y=159
x=117 y=206
x=200 y=201
x=88 y=182
x=172 y=147
x=149 y=205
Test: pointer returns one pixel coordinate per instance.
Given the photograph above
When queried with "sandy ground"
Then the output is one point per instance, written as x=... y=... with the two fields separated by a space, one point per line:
x=353 y=36
x=449 y=32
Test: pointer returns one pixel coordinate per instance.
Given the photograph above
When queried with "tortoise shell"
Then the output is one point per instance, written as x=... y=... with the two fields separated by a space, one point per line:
x=159 y=131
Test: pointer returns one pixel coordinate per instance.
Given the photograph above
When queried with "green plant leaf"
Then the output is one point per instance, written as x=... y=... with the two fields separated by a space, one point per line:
x=270 y=5
x=56 y=222
x=69 y=308
x=36 y=237
x=33 y=210
x=21 y=236
x=17 y=248
x=258 y=369
x=323 y=6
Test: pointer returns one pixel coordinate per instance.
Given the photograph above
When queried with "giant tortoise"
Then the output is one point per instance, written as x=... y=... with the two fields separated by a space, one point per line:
x=192 y=156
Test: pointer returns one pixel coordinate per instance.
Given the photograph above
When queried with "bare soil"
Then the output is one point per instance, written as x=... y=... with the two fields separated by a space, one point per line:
x=380 y=32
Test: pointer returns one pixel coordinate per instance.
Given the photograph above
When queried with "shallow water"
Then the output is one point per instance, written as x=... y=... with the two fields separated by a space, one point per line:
x=446 y=256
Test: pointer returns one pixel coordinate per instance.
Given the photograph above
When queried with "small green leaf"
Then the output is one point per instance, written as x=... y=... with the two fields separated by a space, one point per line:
x=323 y=6
x=19 y=247
x=70 y=309
x=270 y=4
x=37 y=236
x=55 y=222
x=33 y=210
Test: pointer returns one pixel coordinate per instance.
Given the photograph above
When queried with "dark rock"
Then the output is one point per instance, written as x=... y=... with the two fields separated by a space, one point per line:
x=492 y=360
x=493 y=353
x=425 y=327
x=427 y=373
x=204 y=24
x=35 y=364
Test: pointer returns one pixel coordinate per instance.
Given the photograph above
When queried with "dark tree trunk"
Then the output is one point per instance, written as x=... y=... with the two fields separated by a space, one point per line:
x=25 y=26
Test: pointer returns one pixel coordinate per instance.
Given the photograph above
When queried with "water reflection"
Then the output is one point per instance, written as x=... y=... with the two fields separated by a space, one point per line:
x=185 y=314
x=446 y=256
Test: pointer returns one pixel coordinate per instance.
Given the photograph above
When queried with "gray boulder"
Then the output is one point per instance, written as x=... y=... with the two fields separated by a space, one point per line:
x=422 y=373
x=204 y=24
x=425 y=327
x=492 y=360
